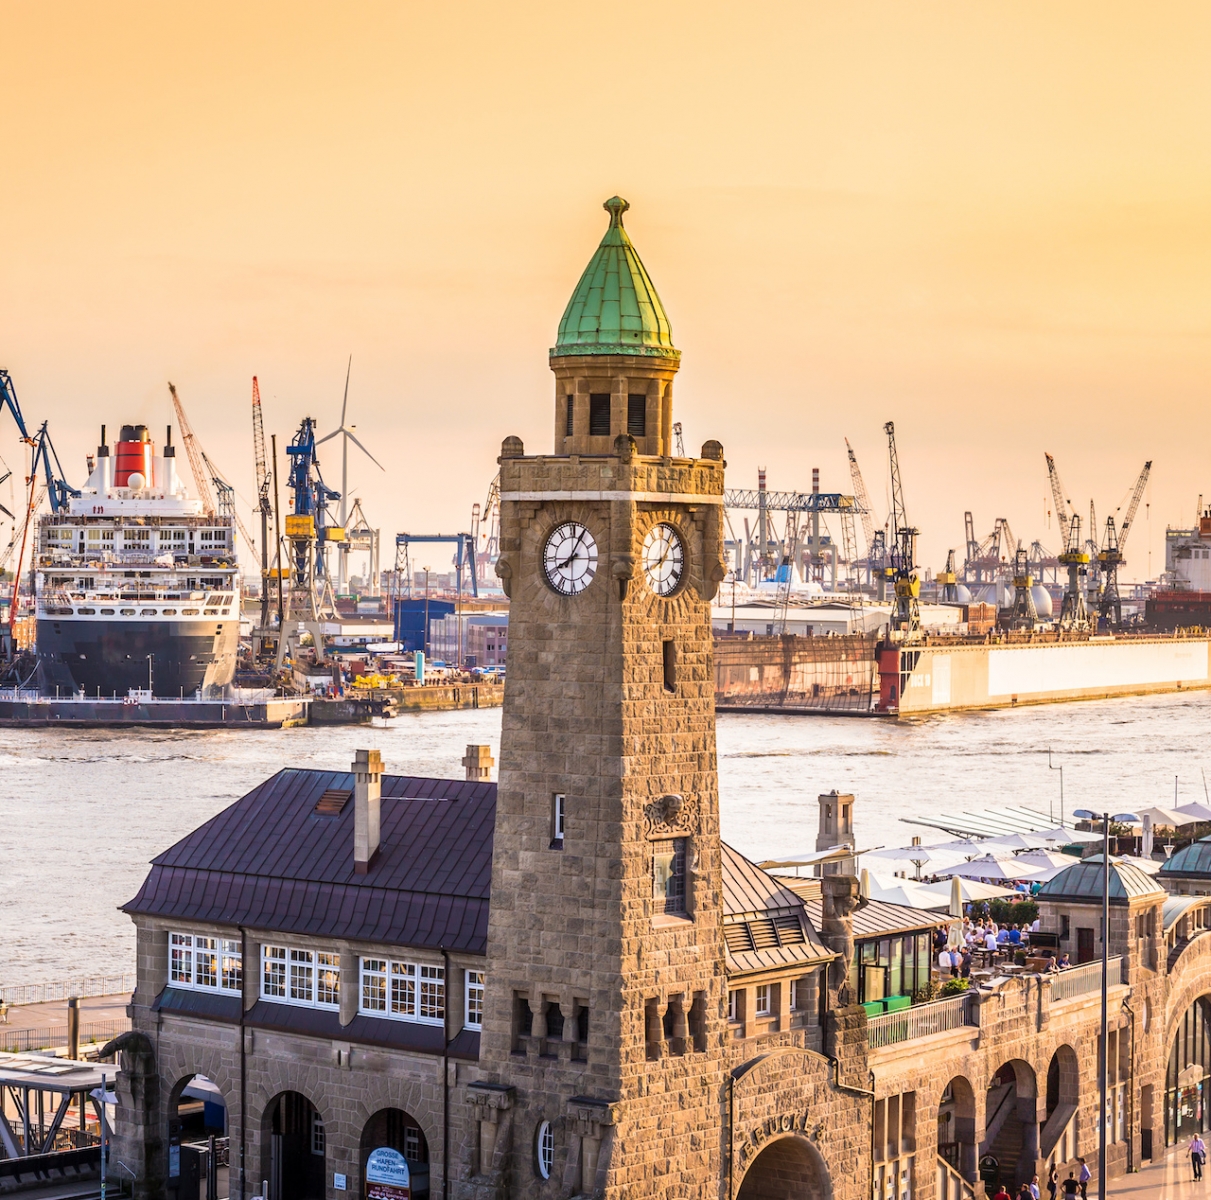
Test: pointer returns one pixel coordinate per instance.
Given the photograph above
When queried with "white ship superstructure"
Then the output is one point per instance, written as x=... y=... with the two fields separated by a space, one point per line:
x=137 y=586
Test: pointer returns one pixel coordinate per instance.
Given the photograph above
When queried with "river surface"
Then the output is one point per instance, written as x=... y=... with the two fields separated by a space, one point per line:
x=82 y=812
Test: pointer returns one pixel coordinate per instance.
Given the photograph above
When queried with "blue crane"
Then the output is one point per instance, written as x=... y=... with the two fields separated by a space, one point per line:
x=44 y=454
x=311 y=497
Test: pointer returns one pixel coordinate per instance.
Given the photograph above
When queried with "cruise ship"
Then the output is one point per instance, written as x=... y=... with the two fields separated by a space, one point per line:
x=136 y=585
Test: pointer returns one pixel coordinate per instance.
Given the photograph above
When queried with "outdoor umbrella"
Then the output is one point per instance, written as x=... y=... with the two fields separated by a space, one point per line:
x=972 y=890
x=907 y=893
x=993 y=869
x=1161 y=815
x=1196 y=809
x=1046 y=858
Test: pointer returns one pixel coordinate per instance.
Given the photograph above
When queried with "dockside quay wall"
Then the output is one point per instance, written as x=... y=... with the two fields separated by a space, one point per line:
x=943 y=677
x=829 y=674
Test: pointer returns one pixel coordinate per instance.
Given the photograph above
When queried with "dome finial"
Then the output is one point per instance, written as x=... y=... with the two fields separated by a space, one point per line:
x=615 y=206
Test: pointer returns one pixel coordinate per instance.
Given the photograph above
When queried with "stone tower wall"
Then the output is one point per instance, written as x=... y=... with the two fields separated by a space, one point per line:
x=588 y=715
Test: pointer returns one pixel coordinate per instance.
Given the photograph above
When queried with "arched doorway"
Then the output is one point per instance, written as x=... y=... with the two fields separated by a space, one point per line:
x=197 y=1125
x=787 y=1169
x=957 y=1127
x=394 y=1129
x=294 y=1148
x=1011 y=1130
x=1057 y=1142
x=1188 y=1081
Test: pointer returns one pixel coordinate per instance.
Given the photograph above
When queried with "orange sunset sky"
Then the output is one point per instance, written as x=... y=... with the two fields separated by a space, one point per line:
x=987 y=222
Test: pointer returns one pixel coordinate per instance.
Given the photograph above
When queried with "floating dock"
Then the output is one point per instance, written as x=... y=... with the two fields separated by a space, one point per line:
x=32 y=710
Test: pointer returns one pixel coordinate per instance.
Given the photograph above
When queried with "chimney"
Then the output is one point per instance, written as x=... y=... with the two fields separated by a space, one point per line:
x=836 y=828
x=367 y=791
x=479 y=762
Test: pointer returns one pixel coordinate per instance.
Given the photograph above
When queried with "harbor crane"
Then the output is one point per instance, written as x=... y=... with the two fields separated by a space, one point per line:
x=309 y=531
x=1073 y=612
x=216 y=494
x=1110 y=558
x=44 y=456
x=264 y=486
x=948 y=581
x=1063 y=505
x=907 y=616
x=1024 y=614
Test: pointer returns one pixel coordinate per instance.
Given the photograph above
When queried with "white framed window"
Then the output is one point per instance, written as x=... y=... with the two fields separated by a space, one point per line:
x=403 y=990
x=733 y=1005
x=307 y=978
x=475 y=1000
x=273 y=972
x=798 y=993
x=763 y=1000
x=317 y=1134
x=207 y=964
x=559 y=804
x=544 y=1149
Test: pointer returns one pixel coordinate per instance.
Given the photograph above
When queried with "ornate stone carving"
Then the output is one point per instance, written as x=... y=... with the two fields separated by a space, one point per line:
x=671 y=816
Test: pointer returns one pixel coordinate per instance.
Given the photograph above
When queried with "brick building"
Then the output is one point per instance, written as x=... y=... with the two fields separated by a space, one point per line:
x=565 y=984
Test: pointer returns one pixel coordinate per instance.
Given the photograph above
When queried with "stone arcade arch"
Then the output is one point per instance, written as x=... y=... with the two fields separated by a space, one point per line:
x=957 y=1127
x=788 y=1168
x=293 y=1153
x=1062 y=1096
x=397 y=1130
x=1188 y=1077
x=1011 y=1128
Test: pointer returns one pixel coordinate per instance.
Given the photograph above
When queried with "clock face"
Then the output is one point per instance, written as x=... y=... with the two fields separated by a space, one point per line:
x=569 y=559
x=663 y=559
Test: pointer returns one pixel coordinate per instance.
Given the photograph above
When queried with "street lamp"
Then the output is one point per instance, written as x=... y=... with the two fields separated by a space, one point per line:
x=1086 y=814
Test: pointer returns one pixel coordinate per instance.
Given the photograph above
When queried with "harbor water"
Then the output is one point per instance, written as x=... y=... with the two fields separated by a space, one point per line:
x=83 y=811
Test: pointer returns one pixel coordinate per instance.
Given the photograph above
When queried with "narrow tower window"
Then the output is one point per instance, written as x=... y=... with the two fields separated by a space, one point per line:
x=571 y=412
x=637 y=416
x=670 y=666
x=599 y=414
x=558 y=801
x=668 y=875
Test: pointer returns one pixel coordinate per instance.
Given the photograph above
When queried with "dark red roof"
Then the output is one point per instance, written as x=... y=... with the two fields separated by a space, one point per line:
x=269 y=861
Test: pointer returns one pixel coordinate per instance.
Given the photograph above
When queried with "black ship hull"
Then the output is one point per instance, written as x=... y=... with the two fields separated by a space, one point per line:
x=108 y=658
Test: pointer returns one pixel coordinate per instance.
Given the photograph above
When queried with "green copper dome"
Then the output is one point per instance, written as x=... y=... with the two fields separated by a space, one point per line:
x=615 y=309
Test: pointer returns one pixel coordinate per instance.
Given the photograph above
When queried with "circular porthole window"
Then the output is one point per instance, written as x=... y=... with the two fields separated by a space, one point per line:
x=544 y=1148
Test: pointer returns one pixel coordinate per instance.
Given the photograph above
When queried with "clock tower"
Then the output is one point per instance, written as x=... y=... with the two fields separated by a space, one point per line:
x=602 y=1070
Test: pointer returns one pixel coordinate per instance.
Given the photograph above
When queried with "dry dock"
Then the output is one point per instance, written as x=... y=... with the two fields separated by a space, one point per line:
x=948 y=675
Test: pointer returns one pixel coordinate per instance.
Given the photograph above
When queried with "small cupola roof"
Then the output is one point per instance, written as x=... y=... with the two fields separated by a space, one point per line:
x=1190 y=862
x=615 y=308
x=1082 y=883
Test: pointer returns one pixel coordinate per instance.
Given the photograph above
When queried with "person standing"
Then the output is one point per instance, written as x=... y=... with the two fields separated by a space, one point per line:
x=1071 y=1187
x=1084 y=1175
x=1198 y=1155
x=1053 y=1181
x=1034 y=1187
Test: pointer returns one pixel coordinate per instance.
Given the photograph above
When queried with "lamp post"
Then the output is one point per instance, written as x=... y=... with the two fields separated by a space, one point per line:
x=1086 y=814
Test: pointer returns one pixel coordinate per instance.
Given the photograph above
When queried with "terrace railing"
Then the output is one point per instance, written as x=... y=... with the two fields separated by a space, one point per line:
x=19 y=1041
x=90 y=985
x=1077 y=981
x=922 y=1020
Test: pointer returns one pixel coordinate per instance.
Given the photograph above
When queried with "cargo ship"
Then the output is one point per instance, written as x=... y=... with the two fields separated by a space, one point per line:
x=136 y=585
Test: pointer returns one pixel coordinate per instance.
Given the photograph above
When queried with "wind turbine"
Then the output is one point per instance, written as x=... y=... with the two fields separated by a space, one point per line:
x=347 y=436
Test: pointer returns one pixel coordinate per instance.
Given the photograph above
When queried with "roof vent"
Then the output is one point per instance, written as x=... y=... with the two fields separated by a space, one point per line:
x=332 y=802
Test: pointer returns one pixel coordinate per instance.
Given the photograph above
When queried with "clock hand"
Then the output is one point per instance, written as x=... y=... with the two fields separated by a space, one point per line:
x=576 y=547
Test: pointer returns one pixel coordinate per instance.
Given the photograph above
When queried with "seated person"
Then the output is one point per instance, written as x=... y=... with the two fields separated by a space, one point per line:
x=1063 y=963
x=1002 y=935
x=990 y=939
x=1015 y=936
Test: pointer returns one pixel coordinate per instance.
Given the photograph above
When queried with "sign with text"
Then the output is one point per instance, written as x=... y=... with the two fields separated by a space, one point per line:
x=387 y=1176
